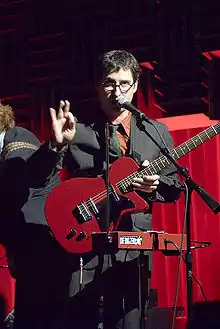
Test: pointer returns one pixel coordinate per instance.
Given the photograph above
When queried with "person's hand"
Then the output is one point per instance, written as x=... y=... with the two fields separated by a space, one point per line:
x=146 y=184
x=63 y=124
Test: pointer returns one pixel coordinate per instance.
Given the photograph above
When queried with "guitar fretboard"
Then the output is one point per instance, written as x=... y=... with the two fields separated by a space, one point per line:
x=162 y=162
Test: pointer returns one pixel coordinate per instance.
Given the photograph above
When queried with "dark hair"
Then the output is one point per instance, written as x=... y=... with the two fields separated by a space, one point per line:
x=113 y=61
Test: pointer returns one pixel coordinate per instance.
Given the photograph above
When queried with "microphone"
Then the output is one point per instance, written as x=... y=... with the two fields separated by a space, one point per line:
x=122 y=102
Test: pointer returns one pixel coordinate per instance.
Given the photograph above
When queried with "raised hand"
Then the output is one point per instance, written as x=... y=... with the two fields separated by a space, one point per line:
x=63 y=124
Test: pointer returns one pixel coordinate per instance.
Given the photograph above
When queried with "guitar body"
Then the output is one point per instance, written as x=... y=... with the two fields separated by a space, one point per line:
x=77 y=207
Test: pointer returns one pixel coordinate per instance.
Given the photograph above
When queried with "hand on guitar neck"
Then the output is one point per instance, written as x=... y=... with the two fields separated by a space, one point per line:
x=148 y=183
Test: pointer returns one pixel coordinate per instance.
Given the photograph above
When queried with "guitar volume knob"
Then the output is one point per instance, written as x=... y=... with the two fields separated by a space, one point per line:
x=71 y=234
x=81 y=236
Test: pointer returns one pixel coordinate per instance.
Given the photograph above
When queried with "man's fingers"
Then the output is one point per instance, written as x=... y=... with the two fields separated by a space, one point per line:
x=63 y=112
x=146 y=184
x=62 y=104
x=60 y=113
x=66 y=107
x=148 y=180
x=71 y=118
x=148 y=189
x=145 y=163
x=151 y=178
x=61 y=109
x=53 y=115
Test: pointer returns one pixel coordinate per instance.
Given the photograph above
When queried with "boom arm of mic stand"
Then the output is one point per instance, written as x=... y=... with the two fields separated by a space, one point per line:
x=207 y=198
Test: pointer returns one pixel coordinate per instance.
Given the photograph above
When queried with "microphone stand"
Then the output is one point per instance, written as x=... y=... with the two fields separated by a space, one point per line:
x=191 y=186
x=108 y=186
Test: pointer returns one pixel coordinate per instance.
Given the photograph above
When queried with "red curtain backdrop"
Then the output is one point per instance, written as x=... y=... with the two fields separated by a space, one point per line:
x=203 y=164
x=146 y=93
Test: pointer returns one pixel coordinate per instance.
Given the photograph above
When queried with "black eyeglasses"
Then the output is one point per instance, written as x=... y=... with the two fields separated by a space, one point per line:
x=124 y=86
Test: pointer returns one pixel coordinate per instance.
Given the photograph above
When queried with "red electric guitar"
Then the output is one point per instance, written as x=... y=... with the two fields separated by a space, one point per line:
x=77 y=207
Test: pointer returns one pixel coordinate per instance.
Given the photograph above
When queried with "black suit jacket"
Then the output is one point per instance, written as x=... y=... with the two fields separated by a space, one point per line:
x=86 y=158
x=28 y=172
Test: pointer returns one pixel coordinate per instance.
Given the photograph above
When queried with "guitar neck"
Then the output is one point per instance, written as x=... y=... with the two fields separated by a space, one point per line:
x=162 y=162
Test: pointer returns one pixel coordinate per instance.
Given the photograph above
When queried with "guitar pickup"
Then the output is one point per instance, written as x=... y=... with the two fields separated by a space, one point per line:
x=82 y=213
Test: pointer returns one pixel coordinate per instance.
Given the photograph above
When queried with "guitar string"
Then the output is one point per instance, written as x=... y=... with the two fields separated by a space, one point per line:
x=126 y=182
x=191 y=142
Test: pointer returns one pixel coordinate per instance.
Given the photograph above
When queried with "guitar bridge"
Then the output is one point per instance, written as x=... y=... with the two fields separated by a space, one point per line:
x=82 y=213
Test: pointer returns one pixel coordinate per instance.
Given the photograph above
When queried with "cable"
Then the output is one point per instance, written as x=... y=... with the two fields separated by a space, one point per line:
x=200 y=286
x=180 y=261
x=193 y=276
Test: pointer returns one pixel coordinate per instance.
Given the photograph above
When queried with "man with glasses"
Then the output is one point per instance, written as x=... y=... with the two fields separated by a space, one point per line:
x=115 y=277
